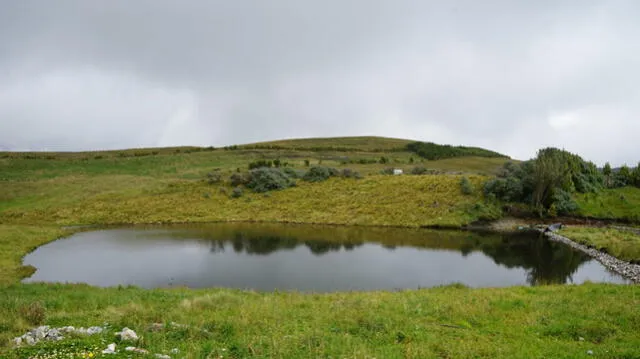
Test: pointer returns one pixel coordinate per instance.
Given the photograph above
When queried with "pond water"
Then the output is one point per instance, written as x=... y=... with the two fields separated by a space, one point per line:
x=309 y=258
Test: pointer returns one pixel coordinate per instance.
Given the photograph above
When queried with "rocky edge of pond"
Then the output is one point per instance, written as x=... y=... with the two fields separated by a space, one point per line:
x=625 y=269
x=46 y=333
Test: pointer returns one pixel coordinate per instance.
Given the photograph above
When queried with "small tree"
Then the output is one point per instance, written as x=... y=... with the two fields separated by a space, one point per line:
x=623 y=177
x=466 y=186
x=635 y=176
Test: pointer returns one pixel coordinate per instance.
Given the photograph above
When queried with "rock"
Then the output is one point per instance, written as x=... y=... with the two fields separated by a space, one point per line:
x=127 y=334
x=589 y=352
x=94 y=330
x=54 y=334
x=68 y=329
x=162 y=356
x=554 y=227
x=41 y=332
x=111 y=349
x=17 y=341
x=581 y=339
x=175 y=351
x=30 y=340
x=136 y=350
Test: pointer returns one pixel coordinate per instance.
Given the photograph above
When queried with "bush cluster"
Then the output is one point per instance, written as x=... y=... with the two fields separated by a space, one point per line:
x=547 y=182
x=432 y=151
x=466 y=186
x=266 y=179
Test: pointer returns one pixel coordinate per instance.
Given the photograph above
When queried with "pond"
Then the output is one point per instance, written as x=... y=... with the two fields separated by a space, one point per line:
x=309 y=258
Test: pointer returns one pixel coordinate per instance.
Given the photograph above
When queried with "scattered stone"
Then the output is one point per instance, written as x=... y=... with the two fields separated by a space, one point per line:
x=136 y=350
x=589 y=352
x=111 y=349
x=175 y=351
x=162 y=356
x=17 y=341
x=127 y=334
x=581 y=339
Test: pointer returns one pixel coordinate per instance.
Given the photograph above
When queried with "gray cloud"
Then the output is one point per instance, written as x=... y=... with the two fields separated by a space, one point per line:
x=510 y=76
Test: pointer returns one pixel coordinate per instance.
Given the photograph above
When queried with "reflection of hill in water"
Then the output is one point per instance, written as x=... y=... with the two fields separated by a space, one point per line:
x=545 y=261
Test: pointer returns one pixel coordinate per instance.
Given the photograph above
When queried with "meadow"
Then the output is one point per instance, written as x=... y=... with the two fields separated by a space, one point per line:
x=44 y=196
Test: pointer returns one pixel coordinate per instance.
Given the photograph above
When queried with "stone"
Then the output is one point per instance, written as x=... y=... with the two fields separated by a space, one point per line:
x=581 y=339
x=30 y=340
x=162 y=356
x=17 y=341
x=111 y=349
x=41 y=332
x=54 y=334
x=175 y=351
x=68 y=329
x=94 y=330
x=127 y=334
x=589 y=352
x=136 y=350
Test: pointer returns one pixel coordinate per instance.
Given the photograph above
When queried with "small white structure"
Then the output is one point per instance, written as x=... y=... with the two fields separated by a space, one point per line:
x=397 y=171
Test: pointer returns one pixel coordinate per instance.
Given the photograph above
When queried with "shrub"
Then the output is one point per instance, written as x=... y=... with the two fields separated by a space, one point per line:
x=237 y=192
x=387 y=171
x=240 y=179
x=306 y=163
x=293 y=173
x=349 y=173
x=268 y=179
x=420 y=170
x=33 y=313
x=260 y=164
x=466 y=186
x=320 y=173
x=563 y=203
x=214 y=177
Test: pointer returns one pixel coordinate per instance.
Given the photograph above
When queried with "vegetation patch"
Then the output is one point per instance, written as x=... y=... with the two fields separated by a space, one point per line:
x=432 y=151
x=621 y=244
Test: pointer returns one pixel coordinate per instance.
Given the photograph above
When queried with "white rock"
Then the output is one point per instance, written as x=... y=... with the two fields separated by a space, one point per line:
x=111 y=349
x=581 y=339
x=175 y=351
x=41 y=332
x=94 y=330
x=136 y=350
x=127 y=334
x=590 y=352
x=162 y=356
x=30 y=340
x=68 y=329
x=17 y=341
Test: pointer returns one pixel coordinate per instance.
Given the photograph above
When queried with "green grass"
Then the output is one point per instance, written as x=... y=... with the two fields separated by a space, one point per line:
x=448 y=322
x=619 y=203
x=363 y=143
x=621 y=244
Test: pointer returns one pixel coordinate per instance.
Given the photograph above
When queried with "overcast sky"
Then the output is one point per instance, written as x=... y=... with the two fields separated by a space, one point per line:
x=512 y=76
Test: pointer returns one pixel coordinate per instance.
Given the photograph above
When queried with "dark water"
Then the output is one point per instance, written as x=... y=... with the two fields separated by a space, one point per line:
x=309 y=258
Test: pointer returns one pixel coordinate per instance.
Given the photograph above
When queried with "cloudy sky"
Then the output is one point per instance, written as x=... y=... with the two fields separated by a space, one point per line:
x=512 y=76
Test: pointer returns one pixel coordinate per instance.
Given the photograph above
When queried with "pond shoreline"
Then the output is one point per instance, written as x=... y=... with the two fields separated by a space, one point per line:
x=625 y=269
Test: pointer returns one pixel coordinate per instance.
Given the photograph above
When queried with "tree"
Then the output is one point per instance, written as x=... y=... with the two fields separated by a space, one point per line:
x=623 y=177
x=606 y=171
x=635 y=176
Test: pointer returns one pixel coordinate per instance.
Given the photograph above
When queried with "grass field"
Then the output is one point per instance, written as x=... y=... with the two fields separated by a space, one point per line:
x=619 y=203
x=448 y=322
x=41 y=192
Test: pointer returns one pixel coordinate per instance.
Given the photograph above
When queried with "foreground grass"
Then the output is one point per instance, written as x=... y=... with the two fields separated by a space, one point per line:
x=449 y=322
x=621 y=244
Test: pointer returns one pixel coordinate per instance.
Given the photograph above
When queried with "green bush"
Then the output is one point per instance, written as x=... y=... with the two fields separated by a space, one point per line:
x=349 y=173
x=268 y=179
x=293 y=173
x=214 y=177
x=237 y=192
x=320 y=173
x=240 y=179
x=260 y=164
x=420 y=170
x=563 y=203
x=465 y=186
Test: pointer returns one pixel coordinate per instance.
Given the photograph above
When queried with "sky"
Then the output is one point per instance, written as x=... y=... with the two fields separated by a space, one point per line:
x=511 y=76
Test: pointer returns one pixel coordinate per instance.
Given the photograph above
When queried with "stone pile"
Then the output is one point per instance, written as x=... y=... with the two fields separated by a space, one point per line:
x=45 y=332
